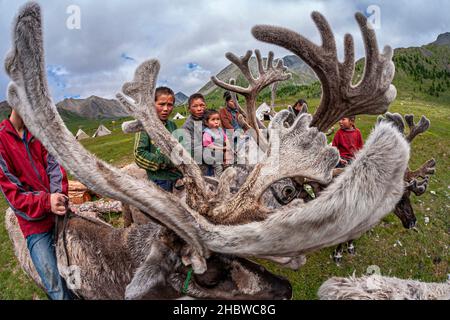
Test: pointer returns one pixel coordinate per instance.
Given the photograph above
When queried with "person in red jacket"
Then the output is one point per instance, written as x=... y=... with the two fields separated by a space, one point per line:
x=347 y=140
x=35 y=186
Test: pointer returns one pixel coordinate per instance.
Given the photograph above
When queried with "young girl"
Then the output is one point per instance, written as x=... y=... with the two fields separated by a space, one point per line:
x=216 y=143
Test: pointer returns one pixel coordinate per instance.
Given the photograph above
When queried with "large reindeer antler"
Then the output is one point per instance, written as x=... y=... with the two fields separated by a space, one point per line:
x=358 y=199
x=267 y=76
x=372 y=95
x=29 y=95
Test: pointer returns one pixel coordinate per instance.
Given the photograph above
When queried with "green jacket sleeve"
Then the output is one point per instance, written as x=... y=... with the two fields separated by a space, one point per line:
x=147 y=155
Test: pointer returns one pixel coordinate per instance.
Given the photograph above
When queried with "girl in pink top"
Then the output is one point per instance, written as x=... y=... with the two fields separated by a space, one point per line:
x=215 y=142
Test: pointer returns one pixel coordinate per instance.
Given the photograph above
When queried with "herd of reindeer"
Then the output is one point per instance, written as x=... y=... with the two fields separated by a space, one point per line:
x=254 y=210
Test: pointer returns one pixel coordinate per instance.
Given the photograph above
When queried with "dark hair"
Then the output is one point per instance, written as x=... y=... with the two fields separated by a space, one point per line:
x=300 y=102
x=227 y=96
x=194 y=97
x=208 y=114
x=351 y=118
x=164 y=90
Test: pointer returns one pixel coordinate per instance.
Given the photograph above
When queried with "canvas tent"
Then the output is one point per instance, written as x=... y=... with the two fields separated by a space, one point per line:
x=262 y=110
x=178 y=116
x=81 y=135
x=101 y=131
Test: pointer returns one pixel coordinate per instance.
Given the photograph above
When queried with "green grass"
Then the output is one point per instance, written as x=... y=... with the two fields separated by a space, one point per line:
x=424 y=255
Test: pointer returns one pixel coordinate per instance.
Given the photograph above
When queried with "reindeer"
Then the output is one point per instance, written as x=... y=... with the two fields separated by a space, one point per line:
x=378 y=287
x=144 y=262
x=214 y=221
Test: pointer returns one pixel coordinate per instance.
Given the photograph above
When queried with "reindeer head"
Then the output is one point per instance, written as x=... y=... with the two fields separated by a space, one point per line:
x=229 y=277
x=218 y=220
x=415 y=181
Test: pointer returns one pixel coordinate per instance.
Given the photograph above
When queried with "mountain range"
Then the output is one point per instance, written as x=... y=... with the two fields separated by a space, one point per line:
x=422 y=70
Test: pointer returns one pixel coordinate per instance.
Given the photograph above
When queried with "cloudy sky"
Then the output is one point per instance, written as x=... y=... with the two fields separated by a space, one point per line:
x=190 y=38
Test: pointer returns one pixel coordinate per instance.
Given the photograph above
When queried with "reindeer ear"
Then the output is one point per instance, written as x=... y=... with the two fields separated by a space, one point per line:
x=150 y=275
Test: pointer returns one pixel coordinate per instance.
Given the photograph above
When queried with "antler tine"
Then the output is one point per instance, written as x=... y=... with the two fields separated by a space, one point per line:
x=426 y=169
x=242 y=63
x=418 y=187
x=339 y=98
x=347 y=68
x=30 y=95
x=260 y=62
x=266 y=77
x=132 y=126
x=235 y=100
x=416 y=129
x=395 y=118
x=141 y=89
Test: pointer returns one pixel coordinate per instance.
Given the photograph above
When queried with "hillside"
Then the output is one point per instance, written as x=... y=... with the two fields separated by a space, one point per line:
x=421 y=72
x=93 y=108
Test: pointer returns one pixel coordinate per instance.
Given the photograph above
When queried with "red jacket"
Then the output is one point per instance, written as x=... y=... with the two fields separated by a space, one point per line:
x=348 y=142
x=28 y=175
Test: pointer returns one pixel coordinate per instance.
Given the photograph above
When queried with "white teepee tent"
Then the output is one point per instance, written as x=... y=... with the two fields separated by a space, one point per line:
x=101 y=131
x=262 y=109
x=178 y=116
x=81 y=135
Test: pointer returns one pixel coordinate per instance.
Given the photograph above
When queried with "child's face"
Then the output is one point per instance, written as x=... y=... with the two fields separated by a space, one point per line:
x=164 y=106
x=231 y=104
x=213 y=121
x=197 y=108
x=346 y=123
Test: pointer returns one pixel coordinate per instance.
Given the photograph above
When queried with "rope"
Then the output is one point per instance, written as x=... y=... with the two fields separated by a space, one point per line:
x=186 y=282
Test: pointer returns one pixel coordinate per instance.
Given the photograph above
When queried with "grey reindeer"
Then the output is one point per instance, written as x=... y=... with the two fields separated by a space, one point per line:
x=211 y=223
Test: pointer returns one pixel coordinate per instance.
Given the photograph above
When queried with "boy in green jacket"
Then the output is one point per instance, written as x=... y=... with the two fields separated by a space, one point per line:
x=147 y=156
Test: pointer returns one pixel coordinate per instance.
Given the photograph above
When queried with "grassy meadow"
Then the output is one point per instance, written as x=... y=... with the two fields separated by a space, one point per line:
x=421 y=254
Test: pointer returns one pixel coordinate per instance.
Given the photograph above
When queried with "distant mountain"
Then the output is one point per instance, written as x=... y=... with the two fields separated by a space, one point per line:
x=301 y=73
x=424 y=70
x=92 y=108
x=442 y=40
x=180 y=98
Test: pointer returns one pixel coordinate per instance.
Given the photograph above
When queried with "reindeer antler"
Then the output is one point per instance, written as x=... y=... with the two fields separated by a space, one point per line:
x=267 y=76
x=294 y=151
x=372 y=95
x=415 y=181
x=141 y=90
x=29 y=95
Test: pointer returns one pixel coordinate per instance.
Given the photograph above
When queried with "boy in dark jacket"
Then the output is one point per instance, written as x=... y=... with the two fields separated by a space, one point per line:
x=35 y=187
x=194 y=126
x=149 y=157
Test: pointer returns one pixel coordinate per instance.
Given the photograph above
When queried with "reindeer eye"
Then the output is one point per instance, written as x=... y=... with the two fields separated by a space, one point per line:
x=288 y=192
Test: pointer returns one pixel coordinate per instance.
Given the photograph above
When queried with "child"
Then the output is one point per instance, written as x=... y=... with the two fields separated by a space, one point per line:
x=147 y=156
x=348 y=141
x=216 y=143
x=194 y=126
